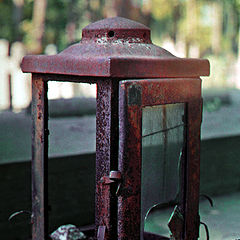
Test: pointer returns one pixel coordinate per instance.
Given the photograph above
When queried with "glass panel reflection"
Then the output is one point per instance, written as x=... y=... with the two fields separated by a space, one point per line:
x=162 y=144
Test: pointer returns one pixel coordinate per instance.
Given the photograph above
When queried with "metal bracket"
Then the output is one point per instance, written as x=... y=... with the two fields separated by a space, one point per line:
x=206 y=230
x=208 y=198
x=106 y=187
x=101 y=232
x=114 y=177
x=105 y=180
x=176 y=223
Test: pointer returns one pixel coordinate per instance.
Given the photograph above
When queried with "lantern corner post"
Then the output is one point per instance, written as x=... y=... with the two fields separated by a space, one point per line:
x=106 y=158
x=192 y=218
x=39 y=157
x=130 y=144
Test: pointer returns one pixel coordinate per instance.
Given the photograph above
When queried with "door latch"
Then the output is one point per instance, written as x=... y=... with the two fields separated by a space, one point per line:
x=114 y=177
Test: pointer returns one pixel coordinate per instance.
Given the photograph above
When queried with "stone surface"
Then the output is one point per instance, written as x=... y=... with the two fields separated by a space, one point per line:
x=68 y=232
x=68 y=136
x=71 y=194
x=222 y=119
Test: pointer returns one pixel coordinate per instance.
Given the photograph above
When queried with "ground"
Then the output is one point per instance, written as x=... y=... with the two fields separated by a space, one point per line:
x=222 y=219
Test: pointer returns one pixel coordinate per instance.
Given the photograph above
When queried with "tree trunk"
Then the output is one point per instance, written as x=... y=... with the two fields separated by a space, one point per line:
x=134 y=11
x=217 y=16
x=239 y=44
x=191 y=25
x=71 y=22
x=17 y=17
x=123 y=8
x=39 y=12
x=176 y=14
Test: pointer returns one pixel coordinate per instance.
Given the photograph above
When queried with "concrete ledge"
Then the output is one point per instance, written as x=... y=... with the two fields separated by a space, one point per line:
x=71 y=194
x=72 y=165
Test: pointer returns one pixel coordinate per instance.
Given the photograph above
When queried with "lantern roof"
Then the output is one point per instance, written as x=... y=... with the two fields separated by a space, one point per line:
x=117 y=48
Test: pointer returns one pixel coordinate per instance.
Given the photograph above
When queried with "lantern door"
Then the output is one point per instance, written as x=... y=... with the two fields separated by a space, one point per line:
x=159 y=132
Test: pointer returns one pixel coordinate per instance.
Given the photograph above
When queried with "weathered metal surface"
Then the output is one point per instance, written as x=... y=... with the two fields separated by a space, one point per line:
x=101 y=232
x=115 y=175
x=157 y=92
x=39 y=158
x=192 y=219
x=119 y=48
x=130 y=135
x=111 y=50
x=106 y=156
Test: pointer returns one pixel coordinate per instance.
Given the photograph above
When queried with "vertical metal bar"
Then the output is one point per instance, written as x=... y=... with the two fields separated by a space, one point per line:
x=39 y=158
x=183 y=168
x=130 y=157
x=106 y=155
x=192 y=221
x=165 y=145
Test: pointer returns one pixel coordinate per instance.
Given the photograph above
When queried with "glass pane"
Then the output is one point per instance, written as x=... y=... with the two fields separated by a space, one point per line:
x=162 y=145
x=71 y=164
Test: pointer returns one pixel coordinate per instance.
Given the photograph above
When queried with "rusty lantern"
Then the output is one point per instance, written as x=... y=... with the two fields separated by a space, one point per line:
x=149 y=112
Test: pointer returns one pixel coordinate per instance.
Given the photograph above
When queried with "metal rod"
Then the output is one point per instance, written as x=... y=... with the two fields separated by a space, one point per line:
x=39 y=158
x=106 y=156
x=192 y=220
x=130 y=150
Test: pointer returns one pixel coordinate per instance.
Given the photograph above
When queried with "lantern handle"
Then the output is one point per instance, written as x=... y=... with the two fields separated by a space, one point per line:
x=208 y=198
x=204 y=224
x=206 y=230
x=15 y=214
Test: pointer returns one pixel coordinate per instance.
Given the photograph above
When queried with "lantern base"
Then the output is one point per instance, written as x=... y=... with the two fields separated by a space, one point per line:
x=89 y=232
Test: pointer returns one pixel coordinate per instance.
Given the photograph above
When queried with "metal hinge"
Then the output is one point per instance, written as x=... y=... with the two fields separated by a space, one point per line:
x=114 y=177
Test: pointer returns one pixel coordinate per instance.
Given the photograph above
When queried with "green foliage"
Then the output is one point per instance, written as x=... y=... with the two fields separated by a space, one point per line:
x=55 y=24
x=213 y=105
x=168 y=18
x=6 y=25
x=219 y=72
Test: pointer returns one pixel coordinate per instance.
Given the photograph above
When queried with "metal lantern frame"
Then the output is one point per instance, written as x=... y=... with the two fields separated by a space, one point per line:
x=130 y=72
x=152 y=92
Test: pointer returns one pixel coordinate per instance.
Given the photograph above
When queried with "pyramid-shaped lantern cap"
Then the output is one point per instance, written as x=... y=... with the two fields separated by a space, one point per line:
x=116 y=48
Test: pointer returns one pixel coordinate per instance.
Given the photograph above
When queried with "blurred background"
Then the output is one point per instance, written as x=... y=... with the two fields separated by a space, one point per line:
x=187 y=28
